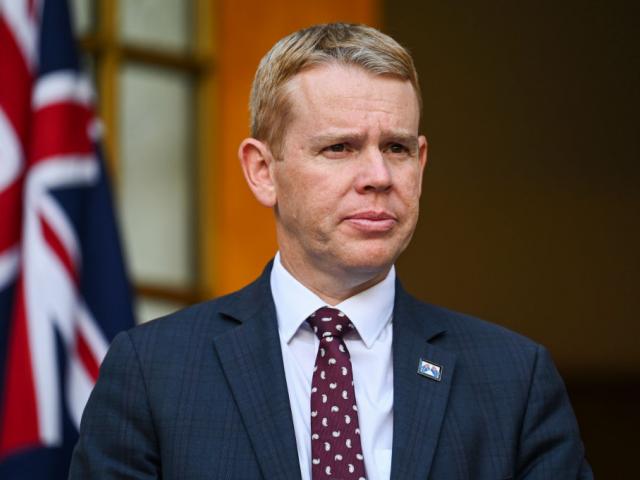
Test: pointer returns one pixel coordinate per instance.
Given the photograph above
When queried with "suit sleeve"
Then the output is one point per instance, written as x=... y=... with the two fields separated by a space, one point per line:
x=550 y=444
x=117 y=437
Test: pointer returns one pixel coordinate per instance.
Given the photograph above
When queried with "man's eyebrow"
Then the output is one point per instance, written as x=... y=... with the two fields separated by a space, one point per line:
x=335 y=137
x=407 y=139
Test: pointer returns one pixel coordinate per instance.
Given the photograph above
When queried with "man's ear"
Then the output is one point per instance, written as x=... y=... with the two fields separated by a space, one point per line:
x=422 y=156
x=255 y=158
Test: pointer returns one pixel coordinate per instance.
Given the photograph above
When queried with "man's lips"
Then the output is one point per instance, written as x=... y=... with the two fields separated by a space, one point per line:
x=372 y=221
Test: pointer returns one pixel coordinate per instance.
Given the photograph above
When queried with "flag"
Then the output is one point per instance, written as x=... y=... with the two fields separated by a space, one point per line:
x=63 y=289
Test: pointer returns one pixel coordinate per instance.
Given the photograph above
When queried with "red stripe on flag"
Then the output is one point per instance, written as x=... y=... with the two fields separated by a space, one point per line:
x=19 y=426
x=15 y=101
x=61 y=129
x=11 y=208
x=15 y=93
x=58 y=248
x=87 y=357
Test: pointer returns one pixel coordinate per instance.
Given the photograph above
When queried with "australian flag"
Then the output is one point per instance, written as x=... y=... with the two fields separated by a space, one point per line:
x=63 y=289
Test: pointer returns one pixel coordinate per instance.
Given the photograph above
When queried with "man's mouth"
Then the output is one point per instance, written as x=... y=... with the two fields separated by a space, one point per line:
x=372 y=221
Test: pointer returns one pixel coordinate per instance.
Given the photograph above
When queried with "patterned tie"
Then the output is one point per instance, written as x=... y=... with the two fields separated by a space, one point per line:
x=336 y=451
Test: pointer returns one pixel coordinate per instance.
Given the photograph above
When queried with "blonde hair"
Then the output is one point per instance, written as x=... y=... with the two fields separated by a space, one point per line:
x=341 y=43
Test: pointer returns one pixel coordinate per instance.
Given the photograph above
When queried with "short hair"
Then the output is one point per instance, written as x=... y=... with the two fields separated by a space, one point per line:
x=340 y=43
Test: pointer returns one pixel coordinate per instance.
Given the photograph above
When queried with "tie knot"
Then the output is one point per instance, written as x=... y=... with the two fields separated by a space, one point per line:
x=329 y=322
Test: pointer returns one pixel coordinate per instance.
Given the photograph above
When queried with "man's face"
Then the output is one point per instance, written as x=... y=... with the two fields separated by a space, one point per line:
x=348 y=182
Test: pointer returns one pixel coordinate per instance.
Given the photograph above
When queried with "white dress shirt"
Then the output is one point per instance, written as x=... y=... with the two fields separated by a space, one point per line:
x=370 y=312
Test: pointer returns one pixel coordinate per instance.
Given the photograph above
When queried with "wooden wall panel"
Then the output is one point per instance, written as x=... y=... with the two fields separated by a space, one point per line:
x=243 y=239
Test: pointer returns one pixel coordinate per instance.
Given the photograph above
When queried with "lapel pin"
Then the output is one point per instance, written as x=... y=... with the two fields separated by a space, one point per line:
x=430 y=370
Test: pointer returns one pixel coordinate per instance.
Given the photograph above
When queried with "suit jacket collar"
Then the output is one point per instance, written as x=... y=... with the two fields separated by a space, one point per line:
x=251 y=357
x=419 y=403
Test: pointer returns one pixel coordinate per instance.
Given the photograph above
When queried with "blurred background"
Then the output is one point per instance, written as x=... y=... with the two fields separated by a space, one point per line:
x=531 y=206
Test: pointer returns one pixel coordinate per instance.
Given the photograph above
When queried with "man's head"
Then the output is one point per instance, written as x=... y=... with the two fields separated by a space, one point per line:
x=337 y=43
x=344 y=175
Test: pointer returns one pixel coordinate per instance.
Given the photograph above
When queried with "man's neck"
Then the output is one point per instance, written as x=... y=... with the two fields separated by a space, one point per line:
x=332 y=287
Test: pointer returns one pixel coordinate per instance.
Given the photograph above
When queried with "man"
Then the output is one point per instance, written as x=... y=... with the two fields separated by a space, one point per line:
x=325 y=367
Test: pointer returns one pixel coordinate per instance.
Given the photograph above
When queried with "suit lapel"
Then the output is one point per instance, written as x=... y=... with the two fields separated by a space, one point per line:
x=251 y=358
x=419 y=402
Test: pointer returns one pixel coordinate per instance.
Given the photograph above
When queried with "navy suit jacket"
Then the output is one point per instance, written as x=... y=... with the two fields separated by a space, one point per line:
x=201 y=394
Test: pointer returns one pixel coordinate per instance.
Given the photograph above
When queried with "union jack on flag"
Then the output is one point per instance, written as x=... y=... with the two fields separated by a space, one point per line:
x=63 y=288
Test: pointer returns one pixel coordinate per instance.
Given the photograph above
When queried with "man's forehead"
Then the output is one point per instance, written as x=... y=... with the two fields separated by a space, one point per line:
x=330 y=86
x=341 y=76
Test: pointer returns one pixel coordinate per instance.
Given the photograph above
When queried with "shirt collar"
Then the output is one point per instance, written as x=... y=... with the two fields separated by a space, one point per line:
x=369 y=311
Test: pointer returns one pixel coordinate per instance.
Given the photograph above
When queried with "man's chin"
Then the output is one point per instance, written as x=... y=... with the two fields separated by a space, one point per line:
x=369 y=263
x=377 y=254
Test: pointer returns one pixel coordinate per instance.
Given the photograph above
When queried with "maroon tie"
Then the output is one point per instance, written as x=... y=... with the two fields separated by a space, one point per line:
x=336 y=452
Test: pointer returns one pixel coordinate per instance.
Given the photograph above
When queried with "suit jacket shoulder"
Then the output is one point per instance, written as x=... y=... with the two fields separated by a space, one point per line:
x=216 y=315
x=197 y=394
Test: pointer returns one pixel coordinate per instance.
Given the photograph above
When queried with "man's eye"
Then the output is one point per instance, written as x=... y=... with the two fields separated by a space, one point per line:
x=337 y=148
x=398 y=148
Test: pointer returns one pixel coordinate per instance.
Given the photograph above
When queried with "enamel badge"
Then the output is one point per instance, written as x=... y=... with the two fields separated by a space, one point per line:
x=430 y=370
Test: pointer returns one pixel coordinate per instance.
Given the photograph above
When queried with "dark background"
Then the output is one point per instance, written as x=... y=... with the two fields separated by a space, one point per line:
x=531 y=204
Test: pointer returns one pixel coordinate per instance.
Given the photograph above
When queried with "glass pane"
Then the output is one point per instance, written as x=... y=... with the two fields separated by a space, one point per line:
x=82 y=16
x=88 y=67
x=157 y=23
x=156 y=176
x=150 y=308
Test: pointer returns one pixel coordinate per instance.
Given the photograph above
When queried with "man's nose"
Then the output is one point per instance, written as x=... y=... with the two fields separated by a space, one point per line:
x=375 y=173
